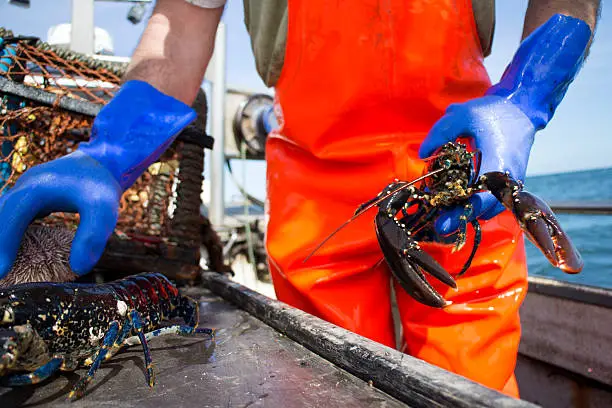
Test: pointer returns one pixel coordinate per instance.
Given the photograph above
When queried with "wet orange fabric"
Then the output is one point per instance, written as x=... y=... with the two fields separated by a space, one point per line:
x=362 y=84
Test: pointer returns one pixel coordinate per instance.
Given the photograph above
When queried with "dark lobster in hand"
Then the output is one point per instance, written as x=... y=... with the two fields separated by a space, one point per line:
x=407 y=211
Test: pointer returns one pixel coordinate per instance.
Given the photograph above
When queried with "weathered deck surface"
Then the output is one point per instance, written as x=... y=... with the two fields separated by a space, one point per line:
x=248 y=365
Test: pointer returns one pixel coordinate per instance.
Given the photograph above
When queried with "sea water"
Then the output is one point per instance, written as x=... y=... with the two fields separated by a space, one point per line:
x=592 y=234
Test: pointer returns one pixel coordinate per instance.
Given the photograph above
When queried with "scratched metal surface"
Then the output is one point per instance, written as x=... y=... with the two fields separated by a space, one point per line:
x=248 y=365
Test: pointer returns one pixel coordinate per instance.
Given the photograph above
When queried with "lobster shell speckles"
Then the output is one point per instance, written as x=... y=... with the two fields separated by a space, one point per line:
x=47 y=327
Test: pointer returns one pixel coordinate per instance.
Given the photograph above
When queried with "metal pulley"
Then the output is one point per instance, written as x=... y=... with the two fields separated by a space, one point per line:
x=253 y=120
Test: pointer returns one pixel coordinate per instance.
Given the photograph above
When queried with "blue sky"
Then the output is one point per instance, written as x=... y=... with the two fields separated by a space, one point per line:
x=577 y=138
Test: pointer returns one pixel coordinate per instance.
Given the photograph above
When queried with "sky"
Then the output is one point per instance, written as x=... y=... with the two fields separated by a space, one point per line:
x=576 y=139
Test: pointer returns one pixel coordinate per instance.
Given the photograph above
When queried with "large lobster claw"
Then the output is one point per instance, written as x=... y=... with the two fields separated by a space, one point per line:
x=407 y=262
x=537 y=221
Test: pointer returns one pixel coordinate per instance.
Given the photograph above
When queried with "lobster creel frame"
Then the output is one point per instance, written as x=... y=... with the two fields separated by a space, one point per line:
x=49 y=97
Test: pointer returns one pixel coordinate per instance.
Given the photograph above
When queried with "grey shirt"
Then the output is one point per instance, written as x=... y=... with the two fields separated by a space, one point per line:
x=266 y=22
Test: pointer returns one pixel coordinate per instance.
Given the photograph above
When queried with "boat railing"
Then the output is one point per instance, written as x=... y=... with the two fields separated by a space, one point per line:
x=581 y=207
x=563 y=354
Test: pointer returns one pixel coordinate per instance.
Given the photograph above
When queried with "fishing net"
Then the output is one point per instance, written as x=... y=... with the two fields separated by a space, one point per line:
x=49 y=97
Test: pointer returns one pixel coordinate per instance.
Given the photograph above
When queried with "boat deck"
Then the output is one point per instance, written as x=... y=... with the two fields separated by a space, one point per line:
x=249 y=364
x=264 y=354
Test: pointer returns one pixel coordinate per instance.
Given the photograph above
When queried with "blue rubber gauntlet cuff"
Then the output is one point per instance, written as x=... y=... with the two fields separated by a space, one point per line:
x=545 y=64
x=133 y=130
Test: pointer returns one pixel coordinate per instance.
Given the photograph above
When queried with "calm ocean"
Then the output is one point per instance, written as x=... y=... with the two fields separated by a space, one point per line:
x=592 y=234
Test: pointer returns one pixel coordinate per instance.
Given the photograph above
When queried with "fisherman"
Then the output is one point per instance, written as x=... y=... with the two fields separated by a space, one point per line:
x=364 y=91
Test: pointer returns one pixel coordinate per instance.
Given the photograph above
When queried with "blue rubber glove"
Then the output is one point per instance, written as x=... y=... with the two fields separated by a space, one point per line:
x=129 y=134
x=503 y=123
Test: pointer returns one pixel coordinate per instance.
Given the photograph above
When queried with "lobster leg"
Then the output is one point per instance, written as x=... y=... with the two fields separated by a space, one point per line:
x=477 y=238
x=39 y=375
x=118 y=344
x=111 y=335
x=463 y=221
x=121 y=339
x=424 y=220
x=537 y=220
x=415 y=222
x=138 y=324
x=176 y=329
x=462 y=236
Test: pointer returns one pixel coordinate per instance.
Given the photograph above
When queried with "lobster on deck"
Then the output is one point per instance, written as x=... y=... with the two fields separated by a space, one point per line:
x=47 y=327
x=407 y=211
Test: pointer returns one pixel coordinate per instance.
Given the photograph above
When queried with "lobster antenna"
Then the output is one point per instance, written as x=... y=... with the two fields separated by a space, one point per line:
x=363 y=210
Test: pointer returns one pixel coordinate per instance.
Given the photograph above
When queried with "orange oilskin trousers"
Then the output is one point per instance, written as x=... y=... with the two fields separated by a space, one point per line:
x=362 y=84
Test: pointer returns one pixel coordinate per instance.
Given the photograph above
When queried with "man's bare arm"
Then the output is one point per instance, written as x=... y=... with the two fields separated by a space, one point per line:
x=539 y=11
x=175 y=48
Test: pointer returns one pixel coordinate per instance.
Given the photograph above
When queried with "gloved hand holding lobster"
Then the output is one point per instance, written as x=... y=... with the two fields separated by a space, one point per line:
x=128 y=135
x=462 y=187
x=502 y=125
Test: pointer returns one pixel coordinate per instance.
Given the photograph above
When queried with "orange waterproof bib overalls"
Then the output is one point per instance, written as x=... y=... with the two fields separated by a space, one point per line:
x=362 y=84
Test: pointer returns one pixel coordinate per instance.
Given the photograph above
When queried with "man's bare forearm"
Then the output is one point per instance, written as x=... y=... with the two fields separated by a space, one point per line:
x=175 y=48
x=539 y=11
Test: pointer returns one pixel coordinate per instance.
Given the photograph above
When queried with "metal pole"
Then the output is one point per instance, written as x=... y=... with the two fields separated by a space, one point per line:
x=82 y=26
x=217 y=194
x=600 y=207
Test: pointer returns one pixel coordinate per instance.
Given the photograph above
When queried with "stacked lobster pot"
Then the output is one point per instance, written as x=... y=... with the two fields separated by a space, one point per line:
x=49 y=97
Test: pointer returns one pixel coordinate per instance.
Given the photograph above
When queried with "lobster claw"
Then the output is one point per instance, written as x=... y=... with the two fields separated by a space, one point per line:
x=537 y=220
x=407 y=262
